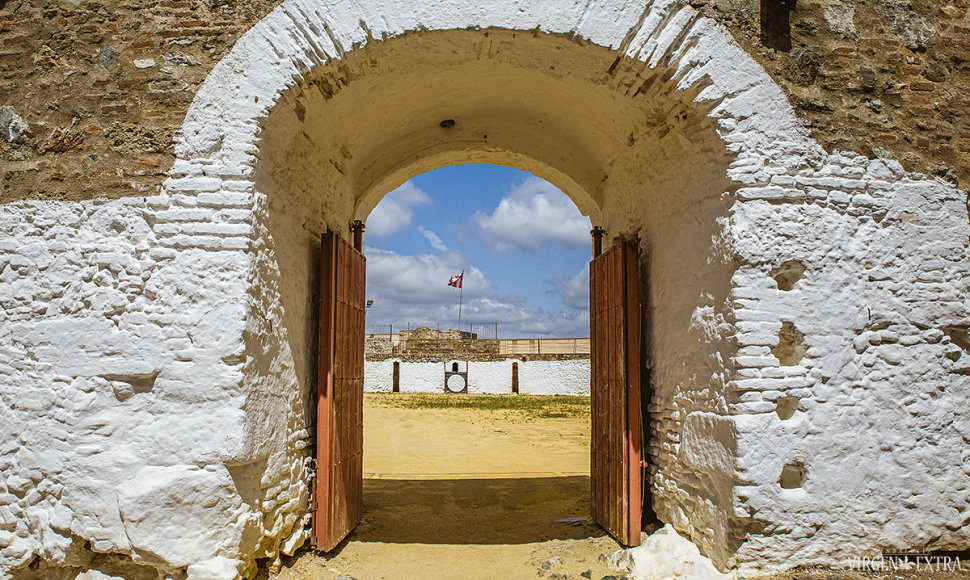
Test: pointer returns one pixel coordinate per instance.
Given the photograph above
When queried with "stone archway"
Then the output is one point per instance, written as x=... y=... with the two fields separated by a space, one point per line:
x=808 y=309
x=650 y=119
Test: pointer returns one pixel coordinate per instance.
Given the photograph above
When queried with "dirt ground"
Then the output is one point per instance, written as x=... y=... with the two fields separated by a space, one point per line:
x=470 y=492
x=461 y=486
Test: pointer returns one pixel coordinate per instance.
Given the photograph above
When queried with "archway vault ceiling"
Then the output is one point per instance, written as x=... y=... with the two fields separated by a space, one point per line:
x=564 y=109
x=622 y=106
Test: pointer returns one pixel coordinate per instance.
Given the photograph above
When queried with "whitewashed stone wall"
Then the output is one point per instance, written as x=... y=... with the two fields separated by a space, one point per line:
x=878 y=430
x=156 y=357
x=536 y=377
x=122 y=395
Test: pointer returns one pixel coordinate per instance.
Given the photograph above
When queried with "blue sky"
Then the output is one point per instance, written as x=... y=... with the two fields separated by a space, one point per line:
x=522 y=243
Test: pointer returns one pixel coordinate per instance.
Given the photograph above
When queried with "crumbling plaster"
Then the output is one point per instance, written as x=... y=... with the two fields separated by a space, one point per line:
x=656 y=124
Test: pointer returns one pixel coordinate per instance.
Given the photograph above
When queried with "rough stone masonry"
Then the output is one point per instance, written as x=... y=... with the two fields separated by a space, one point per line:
x=807 y=306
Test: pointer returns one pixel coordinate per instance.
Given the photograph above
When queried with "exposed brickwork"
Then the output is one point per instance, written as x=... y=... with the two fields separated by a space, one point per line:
x=103 y=88
x=860 y=88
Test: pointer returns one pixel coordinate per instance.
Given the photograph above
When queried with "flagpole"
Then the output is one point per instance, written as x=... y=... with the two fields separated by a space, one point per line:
x=461 y=290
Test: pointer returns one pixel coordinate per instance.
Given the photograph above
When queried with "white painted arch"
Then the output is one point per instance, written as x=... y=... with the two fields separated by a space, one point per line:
x=675 y=46
x=648 y=116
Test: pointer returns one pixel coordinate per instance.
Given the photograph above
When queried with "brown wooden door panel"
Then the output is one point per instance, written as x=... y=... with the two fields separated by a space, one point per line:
x=615 y=479
x=337 y=497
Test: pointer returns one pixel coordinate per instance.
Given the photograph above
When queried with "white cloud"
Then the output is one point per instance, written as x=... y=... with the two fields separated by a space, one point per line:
x=574 y=290
x=514 y=299
x=433 y=239
x=533 y=214
x=396 y=210
x=573 y=324
x=418 y=280
x=415 y=289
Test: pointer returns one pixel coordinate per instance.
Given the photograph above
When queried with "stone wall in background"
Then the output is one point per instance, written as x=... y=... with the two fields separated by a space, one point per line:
x=428 y=345
x=431 y=345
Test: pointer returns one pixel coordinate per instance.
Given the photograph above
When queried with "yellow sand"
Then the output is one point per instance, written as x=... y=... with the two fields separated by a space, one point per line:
x=467 y=493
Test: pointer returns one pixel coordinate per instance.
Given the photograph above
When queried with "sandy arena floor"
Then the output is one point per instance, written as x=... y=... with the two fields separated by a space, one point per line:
x=469 y=493
x=466 y=487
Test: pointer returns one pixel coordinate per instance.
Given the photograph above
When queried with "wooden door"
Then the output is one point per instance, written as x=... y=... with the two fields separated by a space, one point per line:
x=615 y=470
x=337 y=493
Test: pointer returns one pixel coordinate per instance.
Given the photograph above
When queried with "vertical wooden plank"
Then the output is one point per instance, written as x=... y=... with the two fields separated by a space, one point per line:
x=632 y=387
x=515 y=378
x=614 y=350
x=338 y=491
x=321 y=491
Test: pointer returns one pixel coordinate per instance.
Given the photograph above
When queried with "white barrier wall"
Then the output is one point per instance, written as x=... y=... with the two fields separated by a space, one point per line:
x=546 y=377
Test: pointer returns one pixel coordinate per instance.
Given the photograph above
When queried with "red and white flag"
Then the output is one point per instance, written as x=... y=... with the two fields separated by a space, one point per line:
x=455 y=281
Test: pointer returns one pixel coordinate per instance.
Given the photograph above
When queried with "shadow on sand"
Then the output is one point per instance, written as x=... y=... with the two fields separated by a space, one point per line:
x=475 y=511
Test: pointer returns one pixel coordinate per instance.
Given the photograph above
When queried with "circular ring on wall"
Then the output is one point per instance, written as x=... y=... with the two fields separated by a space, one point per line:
x=456 y=383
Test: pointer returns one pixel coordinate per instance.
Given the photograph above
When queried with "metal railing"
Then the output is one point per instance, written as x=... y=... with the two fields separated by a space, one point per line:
x=431 y=325
x=379 y=329
x=483 y=330
x=489 y=331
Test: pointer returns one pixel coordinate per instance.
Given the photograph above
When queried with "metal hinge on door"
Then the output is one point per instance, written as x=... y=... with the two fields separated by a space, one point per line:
x=312 y=465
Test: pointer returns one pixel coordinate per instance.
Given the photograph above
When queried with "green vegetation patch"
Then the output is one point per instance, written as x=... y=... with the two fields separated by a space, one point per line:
x=533 y=406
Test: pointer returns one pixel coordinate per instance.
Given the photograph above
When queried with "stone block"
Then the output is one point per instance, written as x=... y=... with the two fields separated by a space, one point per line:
x=160 y=500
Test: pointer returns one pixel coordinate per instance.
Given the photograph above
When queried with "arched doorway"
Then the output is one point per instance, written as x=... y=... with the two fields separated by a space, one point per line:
x=616 y=470
x=355 y=129
x=650 y=122
x=419 y=102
